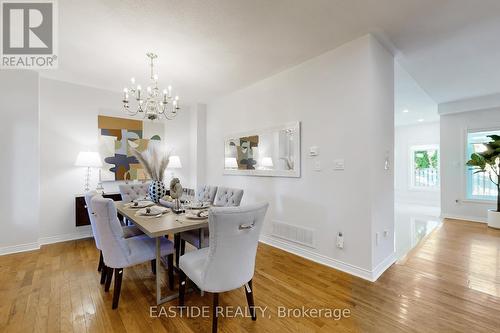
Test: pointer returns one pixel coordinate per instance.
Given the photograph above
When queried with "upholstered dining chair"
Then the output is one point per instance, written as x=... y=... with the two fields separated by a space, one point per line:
x=119 y=252
x=223 y=197
x=228 y=197
x=130 y=192
x=229 y=261
x=128 y=231
x=205 y=193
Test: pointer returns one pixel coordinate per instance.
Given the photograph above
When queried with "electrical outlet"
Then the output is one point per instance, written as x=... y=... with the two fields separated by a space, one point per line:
x=386 y=233
x=339 y=164
x=317 y=166
x=340 y=240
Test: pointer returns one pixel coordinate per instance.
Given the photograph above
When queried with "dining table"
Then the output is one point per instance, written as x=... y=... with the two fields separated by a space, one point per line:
x=158 y=227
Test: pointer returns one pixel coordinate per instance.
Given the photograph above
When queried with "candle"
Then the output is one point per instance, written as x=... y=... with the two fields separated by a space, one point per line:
x=164 y=96
x=132 y=80
x=125 y=93
x=139 y=92
x=169 y=91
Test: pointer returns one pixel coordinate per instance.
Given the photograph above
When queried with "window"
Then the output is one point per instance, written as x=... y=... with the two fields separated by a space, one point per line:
x=479 y=186
x=424 y=166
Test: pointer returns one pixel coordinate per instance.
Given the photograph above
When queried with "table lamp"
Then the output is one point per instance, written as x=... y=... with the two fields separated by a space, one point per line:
x=89 y=160
x=174 y=162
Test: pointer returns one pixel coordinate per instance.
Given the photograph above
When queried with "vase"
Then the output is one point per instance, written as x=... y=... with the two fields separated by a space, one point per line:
x=493 y=219
x=156 y=190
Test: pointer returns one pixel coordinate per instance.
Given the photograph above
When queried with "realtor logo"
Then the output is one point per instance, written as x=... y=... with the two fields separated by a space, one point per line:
x=28 y=34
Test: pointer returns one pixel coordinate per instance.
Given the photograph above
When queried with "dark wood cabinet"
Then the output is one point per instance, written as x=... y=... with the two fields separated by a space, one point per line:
x=82 y=217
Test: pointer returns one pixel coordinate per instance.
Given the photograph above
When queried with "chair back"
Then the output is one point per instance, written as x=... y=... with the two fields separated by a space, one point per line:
x=234 y=235
x=206 y=193
x=228 y=197
x=88 y=202
x=110 y=233
x=131 y=192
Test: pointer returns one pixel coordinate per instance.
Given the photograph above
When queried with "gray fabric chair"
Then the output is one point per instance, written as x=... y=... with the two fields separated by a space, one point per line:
x=229 y=261
x=128 y=232
x=120 y=252
x=228 y=197
x=224 y=197
x=206 y=193
x=130 y=192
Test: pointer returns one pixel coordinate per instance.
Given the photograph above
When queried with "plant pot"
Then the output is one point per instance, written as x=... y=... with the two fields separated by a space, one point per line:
x=157 y=190
x=493 y=219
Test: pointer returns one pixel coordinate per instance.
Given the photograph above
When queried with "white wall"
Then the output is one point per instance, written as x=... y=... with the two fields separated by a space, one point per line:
x=344 y=100
x=68 y=124
x=406 y=137
x=19 y=161
x=454 y=128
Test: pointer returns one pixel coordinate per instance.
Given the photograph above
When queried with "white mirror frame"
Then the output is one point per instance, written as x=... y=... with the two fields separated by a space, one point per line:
x=269 y=173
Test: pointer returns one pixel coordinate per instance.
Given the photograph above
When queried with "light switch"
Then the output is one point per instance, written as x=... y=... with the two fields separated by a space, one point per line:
x=339 y=164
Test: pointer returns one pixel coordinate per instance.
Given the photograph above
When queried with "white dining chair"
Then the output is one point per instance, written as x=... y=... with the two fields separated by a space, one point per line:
x=224 y=197
x=229 y=261
x=120 y=252
x=128 y=231
x=204 y=193
x=130 y=192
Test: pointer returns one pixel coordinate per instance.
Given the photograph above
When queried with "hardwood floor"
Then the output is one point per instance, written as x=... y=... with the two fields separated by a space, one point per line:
x=450 y=283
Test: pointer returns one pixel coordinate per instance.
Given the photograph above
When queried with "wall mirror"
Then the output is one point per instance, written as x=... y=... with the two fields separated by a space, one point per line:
x=268 y=152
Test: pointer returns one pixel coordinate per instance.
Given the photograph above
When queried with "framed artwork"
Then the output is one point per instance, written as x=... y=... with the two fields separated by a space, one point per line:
x=117 y=138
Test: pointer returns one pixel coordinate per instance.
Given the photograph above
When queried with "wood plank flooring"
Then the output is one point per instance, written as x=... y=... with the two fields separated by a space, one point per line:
x=450 y=283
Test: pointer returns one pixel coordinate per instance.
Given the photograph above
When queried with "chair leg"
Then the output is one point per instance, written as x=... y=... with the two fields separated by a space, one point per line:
x=177 y=245
x=153 y=266
x=251 y=305
x=109 y=276
x=104 y=271
x=214 y=312
x=101 y=262
x=170 y=271
x=118 y=287
x=183 y=246
x=182 y=287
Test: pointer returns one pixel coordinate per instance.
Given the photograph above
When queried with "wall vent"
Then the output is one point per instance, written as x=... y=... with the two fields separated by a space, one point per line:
x=293 y=233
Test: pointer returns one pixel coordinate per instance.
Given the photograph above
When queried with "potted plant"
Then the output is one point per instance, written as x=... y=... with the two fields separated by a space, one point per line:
x=488 y=162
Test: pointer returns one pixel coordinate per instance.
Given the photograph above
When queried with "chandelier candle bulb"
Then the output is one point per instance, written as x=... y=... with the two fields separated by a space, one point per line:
x=169 y=91
x=132 y=80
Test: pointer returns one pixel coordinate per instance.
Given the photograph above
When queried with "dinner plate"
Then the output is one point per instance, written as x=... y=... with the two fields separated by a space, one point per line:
x=197 y=206
x=141 y=204
x=153 y=211
x=195 y=217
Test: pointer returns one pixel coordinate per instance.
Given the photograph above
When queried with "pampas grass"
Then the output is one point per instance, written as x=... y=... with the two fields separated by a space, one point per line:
x=154 y=161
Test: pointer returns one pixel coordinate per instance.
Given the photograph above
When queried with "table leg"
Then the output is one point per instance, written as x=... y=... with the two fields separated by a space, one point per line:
x=158 y=275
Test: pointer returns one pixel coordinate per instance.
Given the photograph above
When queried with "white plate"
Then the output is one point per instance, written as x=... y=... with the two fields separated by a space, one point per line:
x=141 y=204
x=195 y=217
x=154 y=211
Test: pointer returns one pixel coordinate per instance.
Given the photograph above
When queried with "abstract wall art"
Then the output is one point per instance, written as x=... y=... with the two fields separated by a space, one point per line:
x=117 y=138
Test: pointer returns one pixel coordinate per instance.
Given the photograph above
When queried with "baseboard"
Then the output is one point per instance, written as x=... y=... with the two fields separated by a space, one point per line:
x=363 y=273
x=383 y=266
x=465 y=218
x=83 y=232
x=19 y=248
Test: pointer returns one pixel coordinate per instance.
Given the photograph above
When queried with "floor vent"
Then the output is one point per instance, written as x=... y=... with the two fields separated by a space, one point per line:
x=301 y=235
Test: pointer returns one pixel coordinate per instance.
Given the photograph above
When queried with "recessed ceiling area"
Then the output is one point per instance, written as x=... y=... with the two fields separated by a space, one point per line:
x=209 y=48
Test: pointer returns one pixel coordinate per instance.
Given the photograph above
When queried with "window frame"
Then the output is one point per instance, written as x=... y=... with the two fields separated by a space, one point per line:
x=411 y=184
x=467 y=174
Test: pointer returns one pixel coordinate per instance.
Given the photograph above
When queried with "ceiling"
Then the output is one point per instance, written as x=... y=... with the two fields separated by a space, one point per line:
x=209 y=48
x=412 y=105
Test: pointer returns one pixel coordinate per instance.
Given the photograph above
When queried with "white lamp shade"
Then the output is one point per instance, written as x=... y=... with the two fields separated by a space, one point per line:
x=89 y=159
x=174 y=162
x=267 y=162
x=230 y=163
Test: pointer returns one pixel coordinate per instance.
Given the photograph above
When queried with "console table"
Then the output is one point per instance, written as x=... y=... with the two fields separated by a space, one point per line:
x=81 y=214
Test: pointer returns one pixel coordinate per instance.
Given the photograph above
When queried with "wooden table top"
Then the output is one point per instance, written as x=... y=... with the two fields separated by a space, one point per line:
x=166 y=224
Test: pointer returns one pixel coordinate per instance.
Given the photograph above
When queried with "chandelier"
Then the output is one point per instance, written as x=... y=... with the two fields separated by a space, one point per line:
x=153 y=104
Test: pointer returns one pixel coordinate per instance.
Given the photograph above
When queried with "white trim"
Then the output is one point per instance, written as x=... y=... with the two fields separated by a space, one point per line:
x=476 y=219
x=19 y=248
x=83 y=232
x=383 y=266
x=363 y=273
